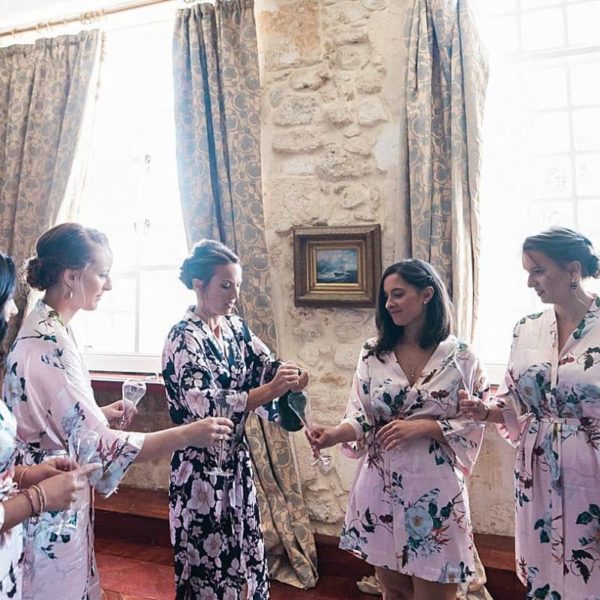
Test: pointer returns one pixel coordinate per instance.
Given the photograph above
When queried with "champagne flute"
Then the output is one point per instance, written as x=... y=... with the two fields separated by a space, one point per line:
x=83 y=449
x=224 y=402
x=465 y=366
x=299 y=402
x=133 y=391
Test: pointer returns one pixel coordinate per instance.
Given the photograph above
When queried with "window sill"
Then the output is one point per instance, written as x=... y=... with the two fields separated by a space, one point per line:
x=103 y=381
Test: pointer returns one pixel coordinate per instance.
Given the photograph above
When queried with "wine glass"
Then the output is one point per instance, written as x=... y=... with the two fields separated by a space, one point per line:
x=133 y=391
x=465 y=365
x=83 y=449
x=224 y=402
x=300 y=404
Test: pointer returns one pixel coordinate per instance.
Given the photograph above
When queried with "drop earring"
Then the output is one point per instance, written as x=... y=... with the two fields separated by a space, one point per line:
x=70 y=294
x=573 y=286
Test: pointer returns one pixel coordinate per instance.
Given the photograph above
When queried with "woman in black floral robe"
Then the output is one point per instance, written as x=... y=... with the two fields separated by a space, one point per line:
x=215 y=521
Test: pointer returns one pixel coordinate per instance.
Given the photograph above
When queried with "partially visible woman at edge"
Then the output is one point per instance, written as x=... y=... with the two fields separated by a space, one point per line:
x=20 y=499
x=215 y=521
x=408 y=511
x=48 y=389
x=549 y=408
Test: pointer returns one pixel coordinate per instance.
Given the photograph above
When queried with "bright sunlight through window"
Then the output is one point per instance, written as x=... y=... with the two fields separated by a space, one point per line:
x=541 y=162
x=131 y=194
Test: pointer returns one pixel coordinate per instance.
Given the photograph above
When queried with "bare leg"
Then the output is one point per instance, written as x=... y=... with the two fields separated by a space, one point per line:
x=426 y=590
x=394 y=585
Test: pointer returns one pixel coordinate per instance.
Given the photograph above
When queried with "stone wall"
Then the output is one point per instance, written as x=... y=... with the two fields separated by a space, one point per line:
x=332 y=86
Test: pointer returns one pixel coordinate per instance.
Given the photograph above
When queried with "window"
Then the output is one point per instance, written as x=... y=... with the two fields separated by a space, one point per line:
x=131 y=194
x=541 y=161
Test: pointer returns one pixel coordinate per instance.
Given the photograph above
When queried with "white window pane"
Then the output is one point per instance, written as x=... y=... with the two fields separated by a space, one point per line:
x=111 y=327
x=555 y=212
x=528 y=4
x=584 y=84
x=551 y=177
x=588 y=174
x=586 y=128
x=545 y=88
x=589 y=224
x=583 y=22
x=486 y=8
x=500 y=34
x=549 y=132
x=160 y=311
x=542 y=30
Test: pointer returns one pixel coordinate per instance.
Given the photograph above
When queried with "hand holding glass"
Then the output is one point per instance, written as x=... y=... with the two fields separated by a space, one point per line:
x=300 y=404
x=465 y=365
x=224 y=402
x=133 y=391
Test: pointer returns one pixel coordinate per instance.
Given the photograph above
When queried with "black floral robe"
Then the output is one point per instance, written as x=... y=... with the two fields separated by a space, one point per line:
x=215 y=521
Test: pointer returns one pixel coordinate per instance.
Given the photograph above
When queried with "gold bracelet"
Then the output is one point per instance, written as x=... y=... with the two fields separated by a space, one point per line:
x=20 y=482
x=29 y=497
x=41 y=496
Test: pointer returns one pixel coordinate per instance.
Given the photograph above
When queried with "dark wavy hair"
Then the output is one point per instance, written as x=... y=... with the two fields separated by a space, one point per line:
x=564 y=245
x=438 y=320
x=66 y=246
x=8 y=283
x=206 y=256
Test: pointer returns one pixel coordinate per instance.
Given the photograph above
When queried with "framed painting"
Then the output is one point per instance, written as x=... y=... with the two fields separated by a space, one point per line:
x=337 y=266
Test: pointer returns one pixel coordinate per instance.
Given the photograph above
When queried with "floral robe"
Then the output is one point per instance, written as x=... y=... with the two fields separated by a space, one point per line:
x=551 y=407
x=47 y=387
x=215 y=521
x=408 y=508
x=11 y=541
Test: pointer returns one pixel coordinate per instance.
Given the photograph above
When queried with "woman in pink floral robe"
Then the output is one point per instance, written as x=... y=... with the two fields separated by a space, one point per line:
x=549 y=408
x=408 y=511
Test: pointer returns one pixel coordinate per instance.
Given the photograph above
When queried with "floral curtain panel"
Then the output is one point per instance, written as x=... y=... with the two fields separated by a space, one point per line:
x=217 y=114
x=43 y=91
x=445 y=93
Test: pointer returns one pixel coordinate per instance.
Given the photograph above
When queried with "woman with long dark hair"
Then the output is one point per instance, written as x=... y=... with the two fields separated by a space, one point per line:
x=408 y=512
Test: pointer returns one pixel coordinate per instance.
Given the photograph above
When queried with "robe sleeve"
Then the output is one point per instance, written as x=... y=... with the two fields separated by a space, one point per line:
x=514 y=411
x=358 y=414
x=190 y=381
x=463 y=436
x=60 y=400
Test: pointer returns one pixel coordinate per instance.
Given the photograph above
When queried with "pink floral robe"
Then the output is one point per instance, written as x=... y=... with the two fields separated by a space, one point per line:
x=48 y=388
x=408 y=509
x=551 y=406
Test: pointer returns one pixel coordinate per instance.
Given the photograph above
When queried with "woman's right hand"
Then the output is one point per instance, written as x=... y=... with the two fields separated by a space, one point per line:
x=209 y=431
x=61 y=490
x=321 y=437
x=471 y=407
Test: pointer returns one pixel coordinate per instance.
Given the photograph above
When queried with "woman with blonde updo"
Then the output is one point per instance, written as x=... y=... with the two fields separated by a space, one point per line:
x=48 y=389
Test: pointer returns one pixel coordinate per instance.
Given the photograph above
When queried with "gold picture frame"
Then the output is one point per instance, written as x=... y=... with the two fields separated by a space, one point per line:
x=337 y=266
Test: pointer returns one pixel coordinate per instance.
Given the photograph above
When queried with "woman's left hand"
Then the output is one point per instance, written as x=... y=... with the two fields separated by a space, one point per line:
x=399 y=431
x=115 y=413
x=36 y=473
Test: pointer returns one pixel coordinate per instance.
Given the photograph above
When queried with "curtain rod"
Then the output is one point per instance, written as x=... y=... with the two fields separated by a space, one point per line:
x=86 y=17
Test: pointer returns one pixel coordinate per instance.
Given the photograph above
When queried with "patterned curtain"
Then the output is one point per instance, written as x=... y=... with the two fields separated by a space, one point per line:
x=445 y=93
x=43 y=89
x=217 y=114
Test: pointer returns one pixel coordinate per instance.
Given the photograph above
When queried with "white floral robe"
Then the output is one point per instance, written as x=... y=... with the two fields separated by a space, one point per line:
x=215 y=521
x=48 y=388
x=408 y=509
x=11 y=541
x=551 y=407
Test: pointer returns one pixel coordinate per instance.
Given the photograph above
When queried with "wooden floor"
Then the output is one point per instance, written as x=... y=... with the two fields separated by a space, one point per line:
x=143 y=570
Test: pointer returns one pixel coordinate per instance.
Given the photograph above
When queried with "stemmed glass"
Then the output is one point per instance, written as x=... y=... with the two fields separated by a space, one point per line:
x=83 y=446
x=224 y=402
x=465 y=365
x=300 y=404
x=133 y=391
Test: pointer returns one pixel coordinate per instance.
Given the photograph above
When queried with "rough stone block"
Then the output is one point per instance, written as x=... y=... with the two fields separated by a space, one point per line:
x=298 y=140
x=340 y=164
x=371 y=111
x=297 y=110
x=369 y=81
x=340 y=115
x=309 y=79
